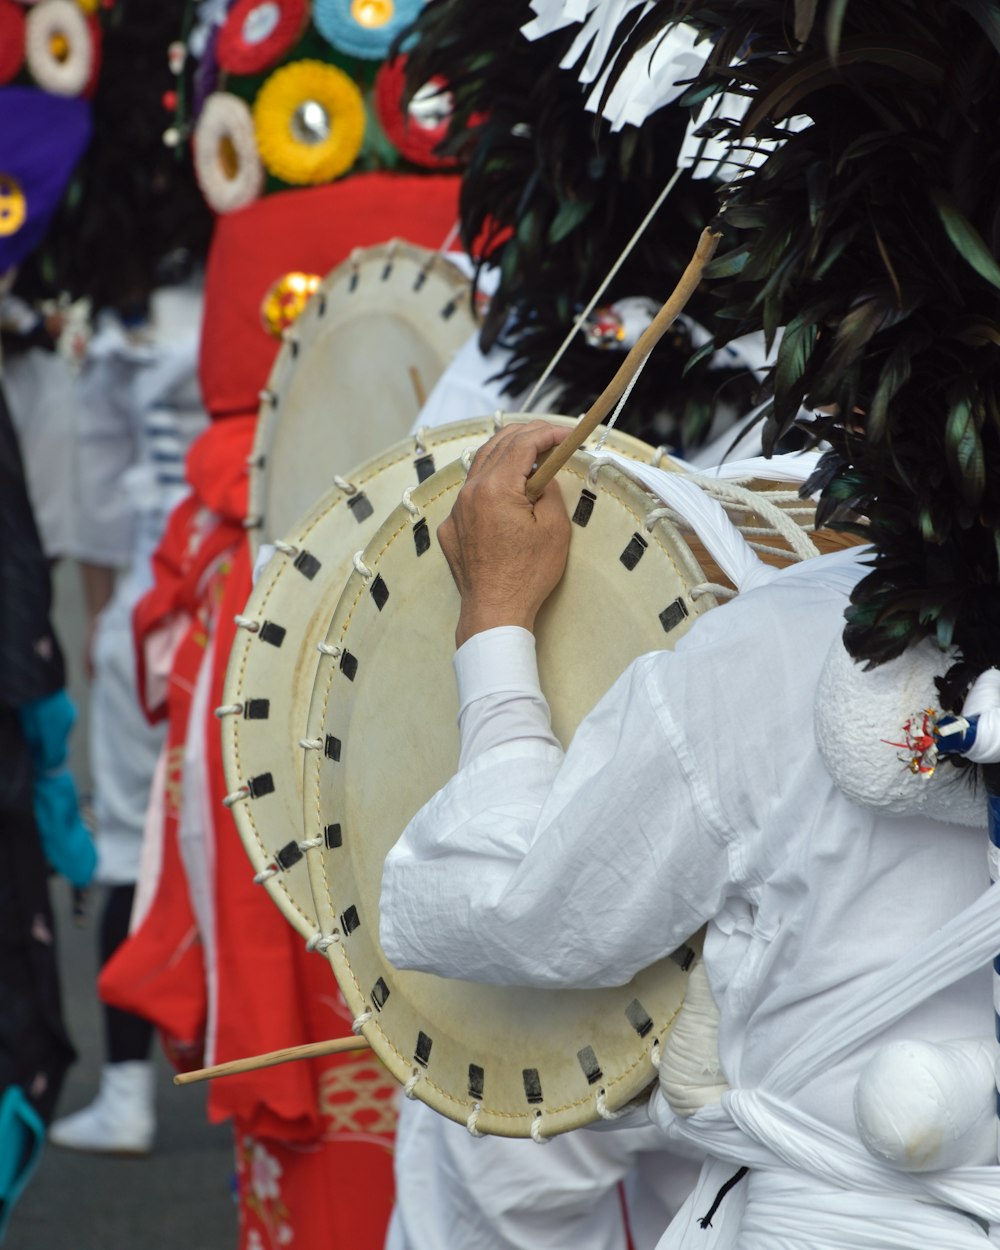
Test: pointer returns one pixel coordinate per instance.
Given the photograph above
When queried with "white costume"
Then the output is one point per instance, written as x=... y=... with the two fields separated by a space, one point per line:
x=695 y=794
x=40 y=392
x=139 y=411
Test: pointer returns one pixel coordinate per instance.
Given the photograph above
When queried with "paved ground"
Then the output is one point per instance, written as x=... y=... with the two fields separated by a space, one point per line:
x=177 y=1199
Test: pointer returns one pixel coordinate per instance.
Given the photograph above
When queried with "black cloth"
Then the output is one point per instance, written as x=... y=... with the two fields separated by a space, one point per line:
x=31 y=664
x=126 y=1037
x=35 y=1050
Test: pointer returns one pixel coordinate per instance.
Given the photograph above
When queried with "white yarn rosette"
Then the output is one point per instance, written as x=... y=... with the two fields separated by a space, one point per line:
x=226 y=162
x=62 y=25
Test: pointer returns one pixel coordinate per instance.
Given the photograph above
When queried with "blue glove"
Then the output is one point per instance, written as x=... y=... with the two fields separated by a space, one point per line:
x=22 y=1136
x=47 y=724
x=66 y=840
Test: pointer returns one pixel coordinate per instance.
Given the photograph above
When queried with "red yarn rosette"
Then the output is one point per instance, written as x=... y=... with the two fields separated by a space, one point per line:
x=11 y=40
x=257 y=33
x=415 y=133
x=97 y=51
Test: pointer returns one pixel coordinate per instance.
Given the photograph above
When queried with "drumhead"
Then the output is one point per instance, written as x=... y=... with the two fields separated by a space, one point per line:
x=519 y=1062
x=273 y=661
x=352 y=375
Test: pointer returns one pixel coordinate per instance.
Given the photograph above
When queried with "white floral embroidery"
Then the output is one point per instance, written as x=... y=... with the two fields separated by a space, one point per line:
x=265 y=1172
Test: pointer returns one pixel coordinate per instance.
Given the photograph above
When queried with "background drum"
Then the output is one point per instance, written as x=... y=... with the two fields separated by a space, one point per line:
x=274 y=658
x=514 y=1062
x=352 y=374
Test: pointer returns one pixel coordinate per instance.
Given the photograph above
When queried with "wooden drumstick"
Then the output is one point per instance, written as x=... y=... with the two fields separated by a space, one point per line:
x=313 y=1050
x=551 y=462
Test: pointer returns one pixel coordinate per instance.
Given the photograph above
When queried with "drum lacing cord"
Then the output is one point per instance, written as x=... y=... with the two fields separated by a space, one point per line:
x=410 y=1086
x=408 y=503
x=419 y=446
x=229 y=709
x=286 y=549
x=255 y=461
x=473 y=1119
x=361 y=567
x=252 y=522
x=655 y=1054
x=711 y=588
x=272 y=870
x=247 y=623
x=320 y=942
x=595 y=468
x=603 y=1110
x=343 y=484
x=329 y=648
x=236 y=796
x=311 y=744
x=703 y=588
x=467 y=458
x=537 y=1136
x=359 y=1022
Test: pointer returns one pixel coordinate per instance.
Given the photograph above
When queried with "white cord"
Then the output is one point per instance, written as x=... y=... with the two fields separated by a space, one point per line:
x=626 y=252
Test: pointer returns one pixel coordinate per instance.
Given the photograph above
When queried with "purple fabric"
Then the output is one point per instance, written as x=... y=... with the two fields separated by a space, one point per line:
x=206 y=74
x=42 y=137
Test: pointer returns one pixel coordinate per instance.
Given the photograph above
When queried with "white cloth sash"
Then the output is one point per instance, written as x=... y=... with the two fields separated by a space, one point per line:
x=761 y=1129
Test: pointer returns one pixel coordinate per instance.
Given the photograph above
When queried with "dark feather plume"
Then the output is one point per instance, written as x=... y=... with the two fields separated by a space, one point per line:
x=872 y=237
x=551 y=195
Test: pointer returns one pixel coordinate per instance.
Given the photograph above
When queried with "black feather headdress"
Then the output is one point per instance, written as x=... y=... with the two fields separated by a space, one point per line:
x=871 y=235
x=133 y=213
x=550 y=195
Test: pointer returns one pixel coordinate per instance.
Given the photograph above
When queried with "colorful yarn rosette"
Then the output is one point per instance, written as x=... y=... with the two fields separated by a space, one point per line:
x=62 y=47
x=415 y=131
x=226 y=162
x=12 y=27
x=309 y=119
x=258 y=33
x=364 y=28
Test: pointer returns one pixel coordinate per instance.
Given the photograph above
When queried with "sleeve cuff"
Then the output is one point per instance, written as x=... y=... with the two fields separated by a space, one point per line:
x=497 y=661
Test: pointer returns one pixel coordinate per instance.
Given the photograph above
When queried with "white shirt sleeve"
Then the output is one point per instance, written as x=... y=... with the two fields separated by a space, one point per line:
x=536 y=867
x=499 y=698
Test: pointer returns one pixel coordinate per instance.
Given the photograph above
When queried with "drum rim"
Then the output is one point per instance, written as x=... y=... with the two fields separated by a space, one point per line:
x=552 y=1119
x=269 y=584
x=287 y=359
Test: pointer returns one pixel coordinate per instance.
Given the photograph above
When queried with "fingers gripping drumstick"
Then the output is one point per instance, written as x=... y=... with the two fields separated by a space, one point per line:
x=550 y=464
x=314 y=1050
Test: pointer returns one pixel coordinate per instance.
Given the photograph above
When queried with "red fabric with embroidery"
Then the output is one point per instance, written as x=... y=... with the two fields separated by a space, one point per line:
x=159 y=972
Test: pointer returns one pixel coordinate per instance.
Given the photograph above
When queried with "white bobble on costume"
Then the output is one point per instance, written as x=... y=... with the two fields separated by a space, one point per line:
x=921 y=1106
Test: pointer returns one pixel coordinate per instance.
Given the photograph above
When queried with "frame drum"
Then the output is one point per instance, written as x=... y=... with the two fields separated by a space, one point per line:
x=352 y=374
x=509 y=1061
x=274 y=658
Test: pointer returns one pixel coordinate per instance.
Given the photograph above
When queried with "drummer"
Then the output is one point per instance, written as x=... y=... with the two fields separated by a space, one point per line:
x=695 y=794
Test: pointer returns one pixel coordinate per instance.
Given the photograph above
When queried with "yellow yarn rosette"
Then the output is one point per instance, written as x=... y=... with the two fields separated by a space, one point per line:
x=310 y=122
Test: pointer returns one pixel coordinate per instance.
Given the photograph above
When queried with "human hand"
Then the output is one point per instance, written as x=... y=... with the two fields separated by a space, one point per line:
x=506 y=553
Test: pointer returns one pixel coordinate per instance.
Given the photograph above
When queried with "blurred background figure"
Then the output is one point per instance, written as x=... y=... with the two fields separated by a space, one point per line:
x=138 y=411
x=129 y=239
